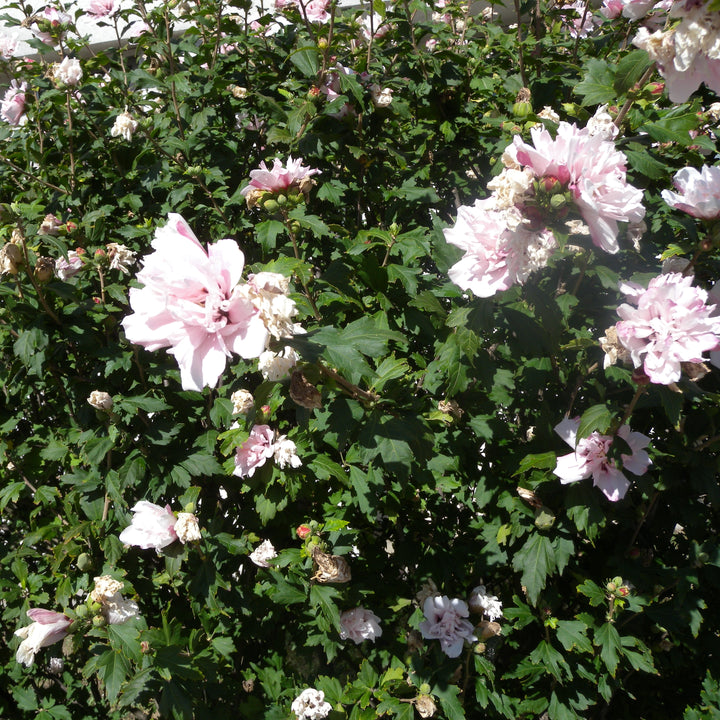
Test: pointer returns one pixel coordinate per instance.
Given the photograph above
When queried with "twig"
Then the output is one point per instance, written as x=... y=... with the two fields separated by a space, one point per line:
x=628 y=103
x=349 y=387
x=521 y=60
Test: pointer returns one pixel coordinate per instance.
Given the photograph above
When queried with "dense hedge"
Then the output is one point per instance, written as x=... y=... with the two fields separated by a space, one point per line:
x=409 y=461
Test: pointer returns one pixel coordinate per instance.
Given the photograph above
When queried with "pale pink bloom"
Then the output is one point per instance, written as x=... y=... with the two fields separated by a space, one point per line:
x=67 y=268
x=280 y=177
x=637 y=9
x=496 y=257
x=136 y=29
x=276 y=366
x=687 y=54
x=124 y=126
x=263 y=553
x=12 y=108
x=331 y=89
x=595 y=173
x=671 y=324
x=379 y=28
x=698 y=192
x=578 y=27
x=8 y=45
x=359 y=624
x=102 y=8
x=316 y=11
x=152 y=526
x=612 y=8
x=255 y=451
x=589 y=458
x=446 y=623
x=68 y=72
x=47 y=628
x=117 y=609
x=191 y=302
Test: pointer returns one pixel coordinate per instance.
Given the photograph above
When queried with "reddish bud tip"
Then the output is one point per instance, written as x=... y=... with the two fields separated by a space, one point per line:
x=303 y=531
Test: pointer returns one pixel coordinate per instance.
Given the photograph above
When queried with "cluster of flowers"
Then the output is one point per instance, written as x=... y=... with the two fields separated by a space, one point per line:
x=685 y=50
x=506 y=236
x=260 y=447
x=153 y=526
x=193 y=302
x=670 y=322
x=446 y=619
x=105 y=602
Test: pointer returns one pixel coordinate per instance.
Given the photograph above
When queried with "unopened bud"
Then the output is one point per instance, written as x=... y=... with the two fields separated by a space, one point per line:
x=44 y=269
x=100 y=400
x=303 y=531
x=271 y=205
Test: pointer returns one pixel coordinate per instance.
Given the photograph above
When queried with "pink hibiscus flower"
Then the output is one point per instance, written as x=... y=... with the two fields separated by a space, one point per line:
x=279 y=178
x=255 y=451
x=698 y=192
x=191 y=303
x=152 y=526
x=671 y=324
x=446 y=622
x=593 y=170
x=12 y=108
x=496 y=257
x=589 y=458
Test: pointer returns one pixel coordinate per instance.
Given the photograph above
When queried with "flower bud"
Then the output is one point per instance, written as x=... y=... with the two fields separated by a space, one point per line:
x=271 y=205
x=99 y=621
x=303 y=531
x=44 y=269
x=100 y=400
x=322 y=43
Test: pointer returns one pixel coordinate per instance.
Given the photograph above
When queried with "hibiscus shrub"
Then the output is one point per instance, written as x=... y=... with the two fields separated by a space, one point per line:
x=360 y=362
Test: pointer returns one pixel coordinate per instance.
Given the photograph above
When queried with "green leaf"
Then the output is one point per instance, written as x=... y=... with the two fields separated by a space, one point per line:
x=572 y=634
x=310 y=222
x=536 y=559
x=449 y=701
x=284 y=593
x=597 y=86
x=113 y=668
x=590 y=590
x=29 y=347
x=25 y=698
x=267 y=232
x=608 y=640
x=630 y=69
x=322 y=596
x=306 y=60
x=542 y=461
x=597 y=417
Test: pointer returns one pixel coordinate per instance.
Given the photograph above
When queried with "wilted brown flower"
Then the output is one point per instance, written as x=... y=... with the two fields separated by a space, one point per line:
x=304 y=393
x=330 y=568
